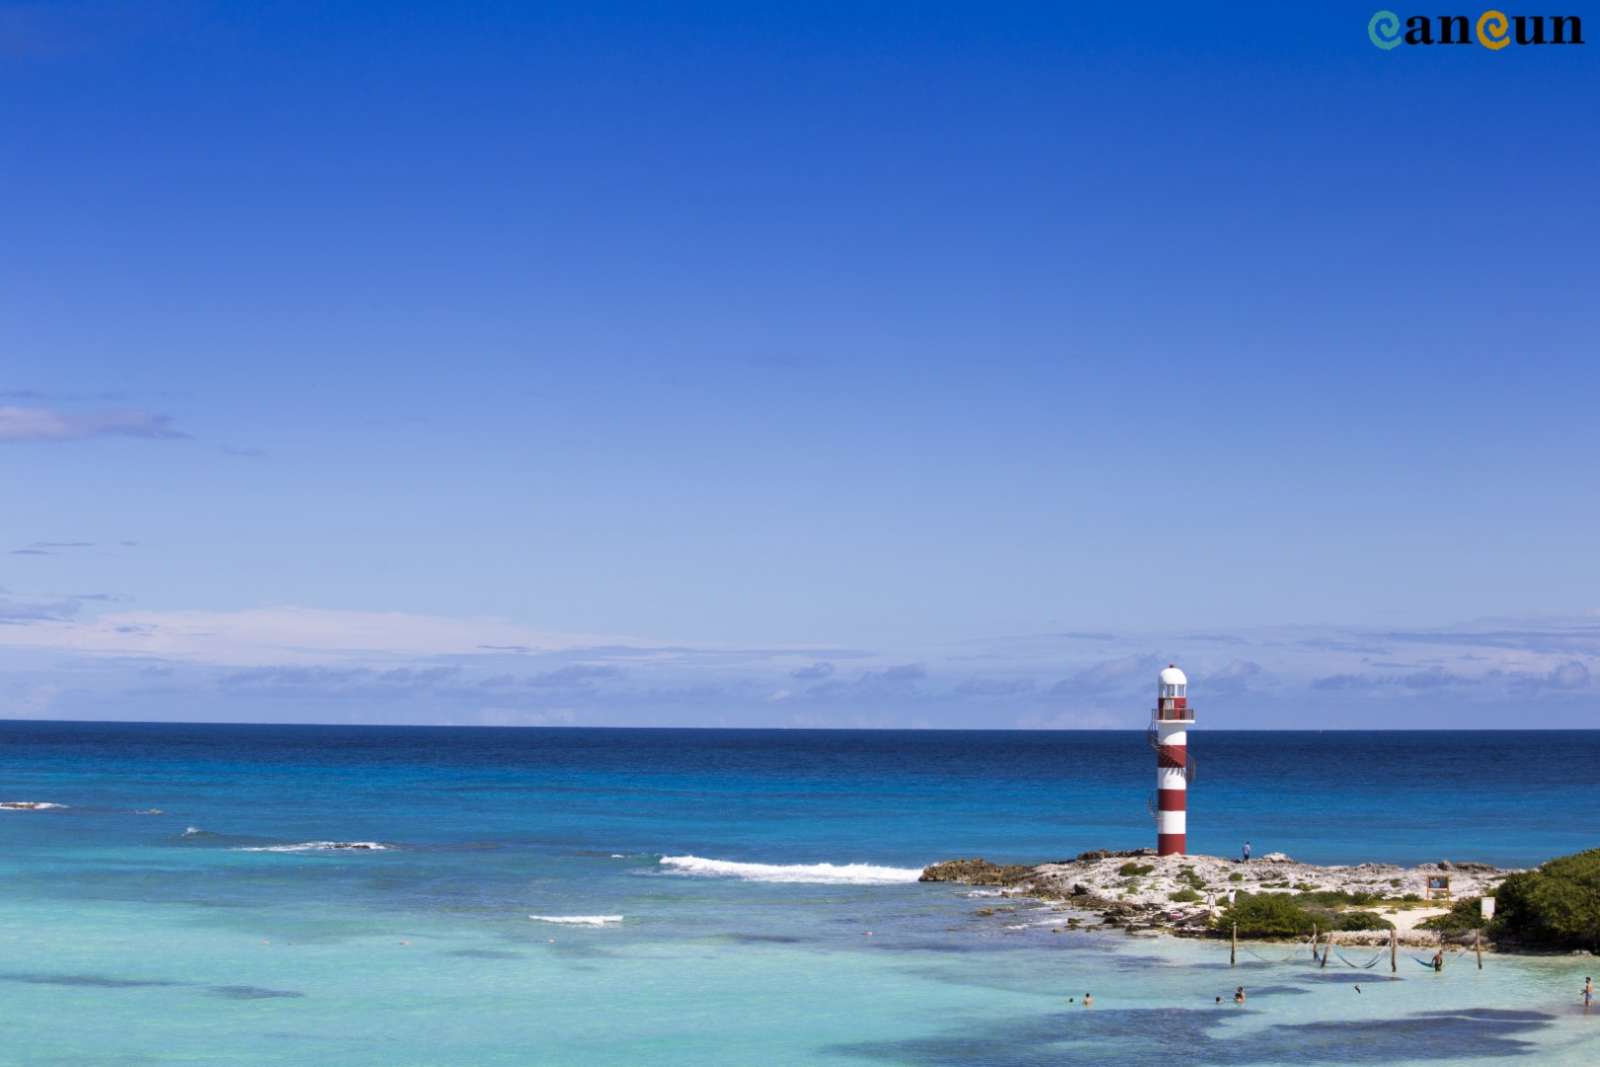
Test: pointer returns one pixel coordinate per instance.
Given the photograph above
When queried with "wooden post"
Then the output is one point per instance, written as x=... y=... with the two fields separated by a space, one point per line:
x=1394 y=950
x=1313 y=941
x=1233 y=952
x=1327 y=950
x=1477 y=946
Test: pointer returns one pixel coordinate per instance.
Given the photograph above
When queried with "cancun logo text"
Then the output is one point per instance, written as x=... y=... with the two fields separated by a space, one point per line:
x=1492 y=29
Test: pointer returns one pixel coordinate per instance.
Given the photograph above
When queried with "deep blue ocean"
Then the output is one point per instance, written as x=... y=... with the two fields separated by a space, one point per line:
x=701 y=896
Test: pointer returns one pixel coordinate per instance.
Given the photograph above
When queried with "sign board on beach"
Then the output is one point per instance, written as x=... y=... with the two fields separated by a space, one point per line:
x=1438 y=885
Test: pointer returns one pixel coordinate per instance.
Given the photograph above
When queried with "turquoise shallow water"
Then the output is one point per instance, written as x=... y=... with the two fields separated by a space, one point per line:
x=209 y=933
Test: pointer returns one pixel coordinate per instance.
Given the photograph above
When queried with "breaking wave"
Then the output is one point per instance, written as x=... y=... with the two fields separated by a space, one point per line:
x=578 y=920
x=317 y=846
x=813 y=873
x=28 y=805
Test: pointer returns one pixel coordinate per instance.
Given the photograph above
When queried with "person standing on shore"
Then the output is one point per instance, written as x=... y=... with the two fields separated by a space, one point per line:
x=1247 y=852
x=1438 y=961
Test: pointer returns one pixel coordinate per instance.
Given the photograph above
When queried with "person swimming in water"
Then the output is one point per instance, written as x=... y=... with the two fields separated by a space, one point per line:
x=1088 y=1000
x=1588 y=992
x=1238 y=995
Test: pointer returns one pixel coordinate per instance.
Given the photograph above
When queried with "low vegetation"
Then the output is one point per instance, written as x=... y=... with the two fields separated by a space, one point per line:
x=1463 y=915
x=1556 y=906
x=1282 y=915
x=1360 y=920
x=1133 y=870
x=1266 y=915
x=1330 y=898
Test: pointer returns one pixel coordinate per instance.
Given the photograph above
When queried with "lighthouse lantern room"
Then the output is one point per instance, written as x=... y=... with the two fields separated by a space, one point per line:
x=1169 y=735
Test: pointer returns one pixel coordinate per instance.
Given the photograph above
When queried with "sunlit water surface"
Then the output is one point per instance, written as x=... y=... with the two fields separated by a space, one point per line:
x=209 y=933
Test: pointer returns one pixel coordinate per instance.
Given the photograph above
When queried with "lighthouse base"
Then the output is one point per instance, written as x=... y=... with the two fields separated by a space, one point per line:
x=1171 y=844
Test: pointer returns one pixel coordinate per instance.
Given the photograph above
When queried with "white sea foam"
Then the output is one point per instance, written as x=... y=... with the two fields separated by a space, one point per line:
x=814 y=873
x=317 y=846
x=984 y=893
x=28 y=805
x=190 y=831
x=578 y=920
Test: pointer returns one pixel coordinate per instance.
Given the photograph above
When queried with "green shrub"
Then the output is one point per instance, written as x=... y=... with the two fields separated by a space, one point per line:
x=1131 y=869
x=1412 y=898
x=1358 y=920
x=1334 y=897
x=1235 y=877
x=1463 y=915
x=1184 y=896
x=1557 y=905
x=1266 y=915
x=1395 y=882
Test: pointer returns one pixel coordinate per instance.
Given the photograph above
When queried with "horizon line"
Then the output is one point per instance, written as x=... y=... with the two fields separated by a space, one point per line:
x=796 y=729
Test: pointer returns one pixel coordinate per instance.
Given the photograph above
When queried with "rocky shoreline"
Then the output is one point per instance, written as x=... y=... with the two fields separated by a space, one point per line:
x=1183 y=895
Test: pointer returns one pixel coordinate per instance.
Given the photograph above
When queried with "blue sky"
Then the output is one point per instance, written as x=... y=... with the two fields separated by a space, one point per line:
x=865 y=364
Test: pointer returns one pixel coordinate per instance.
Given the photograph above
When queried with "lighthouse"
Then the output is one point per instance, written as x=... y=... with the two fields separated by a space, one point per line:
x=1169 y=736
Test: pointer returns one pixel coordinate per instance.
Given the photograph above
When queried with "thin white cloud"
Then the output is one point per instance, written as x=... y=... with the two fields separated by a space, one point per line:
x=283 y=662
x=286 y=635
x=19 y=423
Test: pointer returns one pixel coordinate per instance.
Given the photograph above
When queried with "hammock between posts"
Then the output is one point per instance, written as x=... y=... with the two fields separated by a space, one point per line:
x=1455 y=950
x=1290 y=958
x=1363 y=966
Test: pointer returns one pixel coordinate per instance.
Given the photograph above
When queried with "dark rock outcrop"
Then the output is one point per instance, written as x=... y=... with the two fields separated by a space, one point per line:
x=977 y=871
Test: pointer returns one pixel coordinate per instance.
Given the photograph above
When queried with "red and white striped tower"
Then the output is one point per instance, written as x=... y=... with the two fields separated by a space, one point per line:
x=1170 y=724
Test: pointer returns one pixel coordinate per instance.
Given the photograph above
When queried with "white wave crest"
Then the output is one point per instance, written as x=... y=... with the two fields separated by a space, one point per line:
x=190 y=831
x=317 y=846
x=813 y=873
x=28 y=805
x=578 y=920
